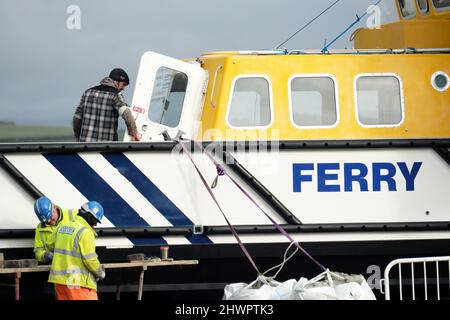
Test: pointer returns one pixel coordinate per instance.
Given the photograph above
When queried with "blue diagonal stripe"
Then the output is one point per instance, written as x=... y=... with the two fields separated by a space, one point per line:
x=93 y=187
x=152 y=193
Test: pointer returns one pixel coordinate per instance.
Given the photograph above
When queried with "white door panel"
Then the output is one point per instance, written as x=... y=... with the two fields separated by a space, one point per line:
x=174 y=90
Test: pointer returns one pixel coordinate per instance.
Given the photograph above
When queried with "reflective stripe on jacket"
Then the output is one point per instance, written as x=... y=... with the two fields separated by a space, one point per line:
x=75 y=262
x=43 y=233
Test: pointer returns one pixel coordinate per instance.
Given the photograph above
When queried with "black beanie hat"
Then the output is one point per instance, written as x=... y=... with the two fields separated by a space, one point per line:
x=118 y=74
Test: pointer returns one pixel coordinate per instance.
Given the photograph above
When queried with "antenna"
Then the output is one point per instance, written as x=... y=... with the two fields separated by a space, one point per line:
x=306 y=25
x=358 y=19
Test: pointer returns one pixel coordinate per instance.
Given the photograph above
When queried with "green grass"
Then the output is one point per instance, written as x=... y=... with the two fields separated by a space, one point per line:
x=11 y=130
x=15 y=133
x=23 y=133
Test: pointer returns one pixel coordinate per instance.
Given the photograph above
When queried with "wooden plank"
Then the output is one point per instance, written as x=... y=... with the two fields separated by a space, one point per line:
x=118 y=265
x=134 y=264
x=22 y=263
x=42 y=268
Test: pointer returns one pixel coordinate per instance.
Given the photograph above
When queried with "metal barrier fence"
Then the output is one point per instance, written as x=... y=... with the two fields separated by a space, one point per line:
x=418 y=279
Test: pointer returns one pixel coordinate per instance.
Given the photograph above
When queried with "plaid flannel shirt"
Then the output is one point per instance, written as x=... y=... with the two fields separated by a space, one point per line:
x=99 y=111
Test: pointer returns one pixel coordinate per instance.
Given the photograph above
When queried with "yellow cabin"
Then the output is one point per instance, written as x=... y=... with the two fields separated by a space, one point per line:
x=326 y=96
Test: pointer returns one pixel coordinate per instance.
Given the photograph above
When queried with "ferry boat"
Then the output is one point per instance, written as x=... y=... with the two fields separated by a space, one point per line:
x=346 y=150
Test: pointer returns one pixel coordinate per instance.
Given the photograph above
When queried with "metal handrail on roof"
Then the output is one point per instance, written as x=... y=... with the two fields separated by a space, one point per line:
x=246 y=52
x=369 y=51
x=330 y=52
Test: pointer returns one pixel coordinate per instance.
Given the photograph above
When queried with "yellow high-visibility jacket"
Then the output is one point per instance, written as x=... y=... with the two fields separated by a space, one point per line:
x=44 y=231
x=41 y=235
x=75 y=262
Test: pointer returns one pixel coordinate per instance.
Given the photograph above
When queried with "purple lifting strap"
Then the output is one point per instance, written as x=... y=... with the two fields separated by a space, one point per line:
x=233 y=231
x=221 y=171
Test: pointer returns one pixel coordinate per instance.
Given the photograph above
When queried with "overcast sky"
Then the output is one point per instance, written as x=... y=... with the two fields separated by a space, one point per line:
x=45 y=66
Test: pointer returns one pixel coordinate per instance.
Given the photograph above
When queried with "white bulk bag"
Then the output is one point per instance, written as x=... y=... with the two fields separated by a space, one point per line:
x=334 y=286
x=263 y=288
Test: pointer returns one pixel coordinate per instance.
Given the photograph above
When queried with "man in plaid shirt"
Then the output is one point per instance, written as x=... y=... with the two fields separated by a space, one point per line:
x=97 y=116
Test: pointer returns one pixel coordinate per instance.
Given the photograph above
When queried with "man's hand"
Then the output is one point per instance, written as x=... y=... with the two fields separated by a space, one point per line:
x=101 y=275
x=136 y=137
x=48 y=256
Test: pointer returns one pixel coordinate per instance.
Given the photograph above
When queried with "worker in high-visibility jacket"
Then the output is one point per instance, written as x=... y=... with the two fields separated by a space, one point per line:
x=49 y=215
x=75 y=266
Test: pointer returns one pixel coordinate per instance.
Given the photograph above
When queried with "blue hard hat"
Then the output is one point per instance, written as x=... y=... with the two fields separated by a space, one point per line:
x=94 y=208
x=43 y=209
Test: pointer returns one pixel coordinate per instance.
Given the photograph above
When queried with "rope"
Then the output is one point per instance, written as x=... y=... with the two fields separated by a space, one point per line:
x=358 y=19
x=306 y=25
x=281 y=265
x=233 y=231
x=220 y=168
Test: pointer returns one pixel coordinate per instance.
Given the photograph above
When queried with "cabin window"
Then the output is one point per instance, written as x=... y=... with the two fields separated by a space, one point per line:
x=408 y=8
x=379 y=100
x=423 y=5
x=313 y=101
x=250 y=104
x=167 y=99
x=441 y=4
